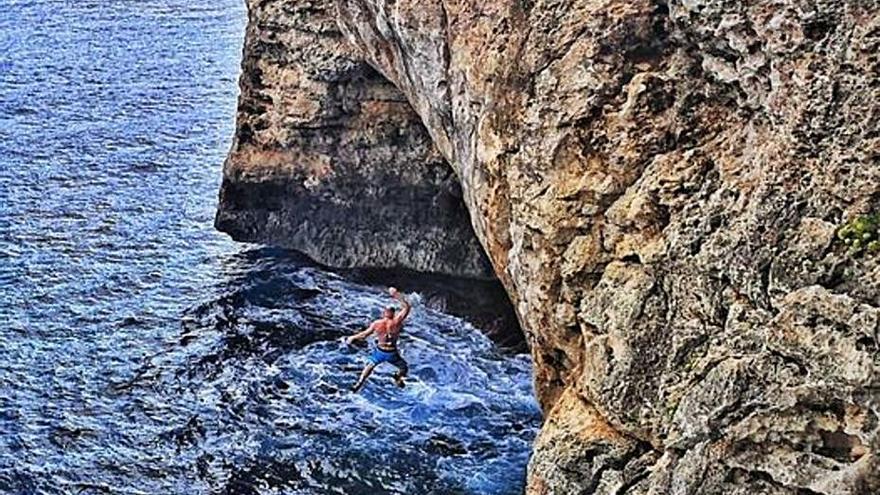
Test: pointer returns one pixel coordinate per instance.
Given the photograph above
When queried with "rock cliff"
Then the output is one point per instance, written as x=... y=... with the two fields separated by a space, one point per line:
x=330 y=159
x=659 y=184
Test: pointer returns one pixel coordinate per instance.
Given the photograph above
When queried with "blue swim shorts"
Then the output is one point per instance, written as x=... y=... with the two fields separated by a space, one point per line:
x=379 y=356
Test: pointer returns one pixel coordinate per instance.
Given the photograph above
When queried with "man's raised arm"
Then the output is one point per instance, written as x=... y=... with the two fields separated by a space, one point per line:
x=403 y=313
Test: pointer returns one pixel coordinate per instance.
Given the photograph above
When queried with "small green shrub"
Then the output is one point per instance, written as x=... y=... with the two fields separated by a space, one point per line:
x=861 y=234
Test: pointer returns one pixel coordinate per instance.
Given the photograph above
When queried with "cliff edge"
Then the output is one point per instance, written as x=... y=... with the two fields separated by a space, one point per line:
x=661 y=188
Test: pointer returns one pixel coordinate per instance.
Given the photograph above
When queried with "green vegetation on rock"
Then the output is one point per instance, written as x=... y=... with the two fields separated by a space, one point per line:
x=861 y=234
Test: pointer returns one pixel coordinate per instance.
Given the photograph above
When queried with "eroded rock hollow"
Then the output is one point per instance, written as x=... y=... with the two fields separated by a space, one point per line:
x=330 y=159
x=658 y=186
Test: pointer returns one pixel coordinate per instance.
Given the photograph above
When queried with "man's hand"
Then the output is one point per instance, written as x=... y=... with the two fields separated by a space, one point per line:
x=349 y=340
x=402 y=314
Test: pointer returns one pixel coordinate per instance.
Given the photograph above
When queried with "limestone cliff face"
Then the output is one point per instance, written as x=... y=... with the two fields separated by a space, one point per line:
x=658 y=185
x=330 y=159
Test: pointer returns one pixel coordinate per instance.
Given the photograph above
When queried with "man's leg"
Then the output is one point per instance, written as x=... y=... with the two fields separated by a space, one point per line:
x=364 y=375
x=402 y=370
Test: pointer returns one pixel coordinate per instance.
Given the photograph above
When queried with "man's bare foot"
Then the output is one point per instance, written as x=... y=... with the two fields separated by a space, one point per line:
x=398 y=380
x=357 y=387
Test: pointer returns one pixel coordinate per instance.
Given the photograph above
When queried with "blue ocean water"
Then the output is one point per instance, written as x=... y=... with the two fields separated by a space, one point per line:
x=143 y=352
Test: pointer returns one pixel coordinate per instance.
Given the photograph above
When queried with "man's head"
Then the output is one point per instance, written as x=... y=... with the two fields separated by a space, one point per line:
x=388 y=312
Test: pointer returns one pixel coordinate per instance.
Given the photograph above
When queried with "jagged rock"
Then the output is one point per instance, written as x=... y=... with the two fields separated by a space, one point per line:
x=658 y=185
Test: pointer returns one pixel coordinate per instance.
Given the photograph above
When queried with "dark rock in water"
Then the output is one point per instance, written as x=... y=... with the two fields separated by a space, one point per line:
x=329 y=158
x=189 y=434
x=67 y=437
x=443 y=445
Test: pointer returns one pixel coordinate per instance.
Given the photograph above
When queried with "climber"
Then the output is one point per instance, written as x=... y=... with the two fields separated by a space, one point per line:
x=387 y=330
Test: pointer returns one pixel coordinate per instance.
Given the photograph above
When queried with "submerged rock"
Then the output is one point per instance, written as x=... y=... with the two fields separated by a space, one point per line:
x=659 y=185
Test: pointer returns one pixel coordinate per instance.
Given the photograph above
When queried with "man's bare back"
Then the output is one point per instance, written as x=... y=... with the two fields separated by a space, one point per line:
x=387 y=330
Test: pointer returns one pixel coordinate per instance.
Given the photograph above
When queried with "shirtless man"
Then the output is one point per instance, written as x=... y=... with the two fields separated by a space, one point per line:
x=387 y=330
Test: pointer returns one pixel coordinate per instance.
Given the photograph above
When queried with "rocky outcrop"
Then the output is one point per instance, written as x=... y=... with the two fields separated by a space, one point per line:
x=330 y=159
x=658 y=186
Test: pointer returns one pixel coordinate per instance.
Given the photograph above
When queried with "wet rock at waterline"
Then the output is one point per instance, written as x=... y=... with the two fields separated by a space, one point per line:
x=658 y=185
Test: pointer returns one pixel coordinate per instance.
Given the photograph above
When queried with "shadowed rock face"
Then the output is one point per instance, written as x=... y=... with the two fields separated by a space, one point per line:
x=658 y=186
x=329 y=158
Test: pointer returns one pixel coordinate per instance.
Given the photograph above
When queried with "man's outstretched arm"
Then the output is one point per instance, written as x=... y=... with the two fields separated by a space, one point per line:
x=360 y=335
x=403 y=313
